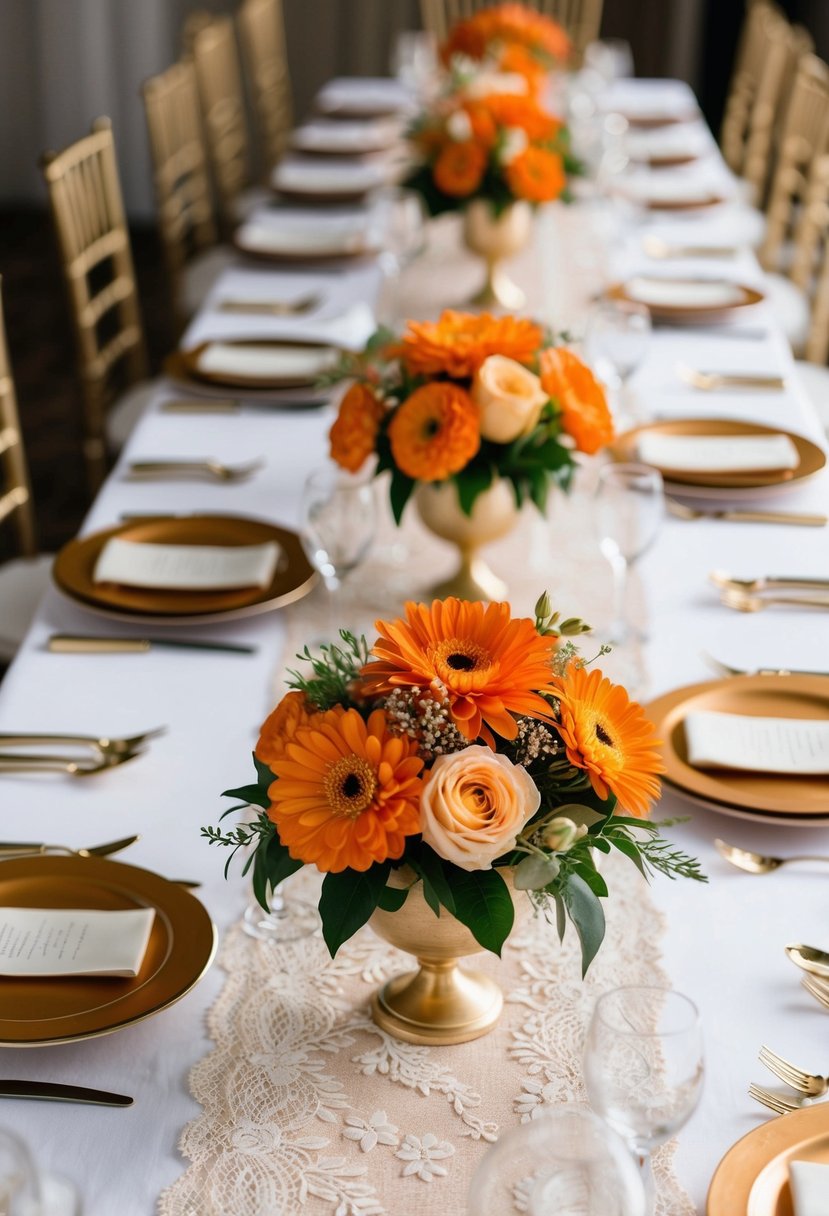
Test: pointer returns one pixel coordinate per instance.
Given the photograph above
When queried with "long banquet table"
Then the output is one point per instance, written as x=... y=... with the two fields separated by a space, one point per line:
x=721 y=944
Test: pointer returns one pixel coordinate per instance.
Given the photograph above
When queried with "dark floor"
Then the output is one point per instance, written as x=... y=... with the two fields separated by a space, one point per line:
x=42 y=358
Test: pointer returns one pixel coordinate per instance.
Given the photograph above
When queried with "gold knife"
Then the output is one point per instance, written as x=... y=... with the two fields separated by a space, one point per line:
x=14 y=848
x=770 y=517
x=185 y=405
x=52 y=1091
x=65 y=643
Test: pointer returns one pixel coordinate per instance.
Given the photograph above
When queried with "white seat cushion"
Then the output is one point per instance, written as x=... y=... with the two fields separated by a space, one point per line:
x=23 y=582
x=790 y=306
x=202 y=272
x=127 y=410
x=814 y=380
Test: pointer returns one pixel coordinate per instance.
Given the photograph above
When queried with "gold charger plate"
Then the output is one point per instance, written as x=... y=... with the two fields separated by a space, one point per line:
x=293 y=578
x=39 y=1012
x=349 y=252
x=752 y=1178
x=760 y=696
x=184 y=364
x=686 y=314
x=811 y=458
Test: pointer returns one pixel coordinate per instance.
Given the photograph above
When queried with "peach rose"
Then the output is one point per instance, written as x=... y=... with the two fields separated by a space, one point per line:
x=473 y=805
x=510 y=398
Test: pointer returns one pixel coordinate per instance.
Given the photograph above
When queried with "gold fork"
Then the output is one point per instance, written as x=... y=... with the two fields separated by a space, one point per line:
x=817 y=988
x=744 y=602
x=767 y=582
x=681 y=511
x=712 y=381
x=775 y=1102
x=758 y=863
x=73 y=765
x=810 y=1084
x=105 y=745
x=194 y=468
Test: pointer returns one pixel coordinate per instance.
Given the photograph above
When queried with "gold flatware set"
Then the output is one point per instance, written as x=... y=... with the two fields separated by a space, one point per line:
x=215 y=470
x=9 y=848
x=92 y=754
x=756 y=594
x=66 y=643
x=714 y=381
x=680 y=510
x=656 y=247
x=272 y=308
x=760 y=863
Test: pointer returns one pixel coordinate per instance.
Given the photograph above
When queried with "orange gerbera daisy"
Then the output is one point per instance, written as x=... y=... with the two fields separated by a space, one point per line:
x=584 y=411
x=435 y=432
x=354 y=432
x=536 y=175
x=347 y=792
x=459 y=168
x=280 y=727
x=488 y=665
x=512 y=110
x=457 y=344
x=608 y=735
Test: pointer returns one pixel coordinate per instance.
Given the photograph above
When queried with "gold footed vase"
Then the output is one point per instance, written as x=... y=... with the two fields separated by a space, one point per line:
x=441 y=1003
x=494 y=514
x=496 y=238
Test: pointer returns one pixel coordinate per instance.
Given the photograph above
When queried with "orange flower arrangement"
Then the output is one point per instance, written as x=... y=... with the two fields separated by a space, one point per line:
x=347 y=792
x=435 y=432
x=493 y=31
x=536 y=175
x=459 y=168
x=458 y=343
x=488 y=666
x=582 y=401
x=608 y=735
x=354 y=434
x=463 y=744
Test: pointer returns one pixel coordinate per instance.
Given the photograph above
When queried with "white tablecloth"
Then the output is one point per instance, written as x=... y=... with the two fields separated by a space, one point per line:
x=724 y=943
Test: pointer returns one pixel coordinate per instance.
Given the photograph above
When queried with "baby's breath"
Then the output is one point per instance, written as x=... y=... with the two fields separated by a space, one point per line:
x=425 y=717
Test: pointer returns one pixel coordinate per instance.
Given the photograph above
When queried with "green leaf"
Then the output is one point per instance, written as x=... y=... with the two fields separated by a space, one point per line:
x=471 y=482
x=588 y=917
x=629 y=849
x=580 y=814
x=431 y=868
x=534 y=872
x=392 y=899
x=263 y=772
x=347 y=901
x=483 y=903
x=561 y=916
x=251 y=795
x=400 y=492
x=430 y=895
x=593 y=879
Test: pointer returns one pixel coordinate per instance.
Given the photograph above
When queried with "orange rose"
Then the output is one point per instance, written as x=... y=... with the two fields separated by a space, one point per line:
x=280 y=727
x=536 y=175
x=435 y=432
x=459 y=168
x=473 y=805
x=354 y=433
x=584 y=411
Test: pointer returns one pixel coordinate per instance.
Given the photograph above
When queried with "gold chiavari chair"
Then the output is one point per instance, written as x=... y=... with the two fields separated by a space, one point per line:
x=261 y=27
x=23 y=580
x=811 y=272
x=745 y=81
x=580 y=18
x=184 y=200
x=225 y=121
x=94 y=247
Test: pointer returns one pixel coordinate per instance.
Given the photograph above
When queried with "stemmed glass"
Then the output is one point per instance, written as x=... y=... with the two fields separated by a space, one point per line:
x=629 y=511
x=414 y=61
x=24 y=1191
x=400 y=218
x=616 y=341
x=288 y=919
x=338 y=522
x=643 y=1066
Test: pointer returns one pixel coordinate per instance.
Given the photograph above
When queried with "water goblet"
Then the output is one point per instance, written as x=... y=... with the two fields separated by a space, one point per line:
x=24 y=1190
x=643 y=1067
x=338 y=523
x=414 y=61
x=629 y=507
x=616 y=341
x=399 y=218
x=287 y=919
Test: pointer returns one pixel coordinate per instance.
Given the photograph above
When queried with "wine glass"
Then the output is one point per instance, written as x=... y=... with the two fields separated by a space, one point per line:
x=616 y=341
x=399 y=217
x=287 y=920
x=414 y=61
x=24 y=1191
x=643 y=1066
x=564 y=1163
x=338 y=522
x=629 y=509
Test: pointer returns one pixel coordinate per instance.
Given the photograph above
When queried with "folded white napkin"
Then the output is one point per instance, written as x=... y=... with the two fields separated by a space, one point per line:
x=362 y=135
x=763 y=745
x=687 y=293
x=363 y=93
x=301 y=240
x=73 y=941
x=186 y=567
x=718 y=453
x=678 y=140
x=326 y=176
x=809 y=1182
x=670 y=189
x=267 y=362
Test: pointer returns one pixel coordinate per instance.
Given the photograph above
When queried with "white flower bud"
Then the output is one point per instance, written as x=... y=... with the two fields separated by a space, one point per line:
x=561 y=834
x=459 y=126
x=515 y=142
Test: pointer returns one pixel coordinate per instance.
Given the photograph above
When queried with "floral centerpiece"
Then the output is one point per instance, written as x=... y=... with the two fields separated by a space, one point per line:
x=514 y=38
x=474 y=415
x=467 y=758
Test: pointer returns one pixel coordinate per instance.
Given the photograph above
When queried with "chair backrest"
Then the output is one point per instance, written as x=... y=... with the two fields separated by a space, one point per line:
x=15 y=490
x=580 y=18
x=223 y=113
x=94 y=247
x=744 y=82
x=182 y=184
x=805 y=135
x=261 y=28
x=811 y=263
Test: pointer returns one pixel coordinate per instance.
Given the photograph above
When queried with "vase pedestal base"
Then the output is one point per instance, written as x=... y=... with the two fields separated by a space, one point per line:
x=473 y=580
x=438 y=1005
x=499 y=291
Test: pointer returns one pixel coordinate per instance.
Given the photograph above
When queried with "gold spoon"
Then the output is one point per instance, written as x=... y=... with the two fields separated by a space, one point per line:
x=809 y=958
x=759 y=863
x=756 y=603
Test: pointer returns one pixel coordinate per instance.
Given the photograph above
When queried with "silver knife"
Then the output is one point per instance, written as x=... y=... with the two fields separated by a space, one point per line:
x=52 y=1091
x=65 y=643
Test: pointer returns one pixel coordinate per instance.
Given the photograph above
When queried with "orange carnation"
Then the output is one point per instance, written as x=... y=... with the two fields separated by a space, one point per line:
x=347 y=792
x=608 y=735
x=457 y=344
x=459 y=168
x=581 y=399
x=280 y=727
x=354 y=433
x=435 y=432
x=513 y=110
x=536 y=175
x=481 y=122
x=489 y=666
